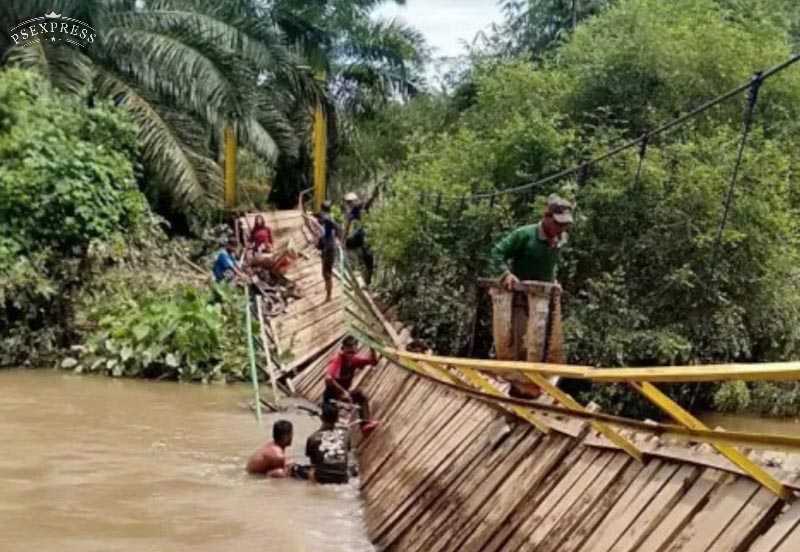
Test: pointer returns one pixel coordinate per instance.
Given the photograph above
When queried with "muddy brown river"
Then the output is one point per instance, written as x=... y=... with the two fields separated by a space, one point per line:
x=92 y=464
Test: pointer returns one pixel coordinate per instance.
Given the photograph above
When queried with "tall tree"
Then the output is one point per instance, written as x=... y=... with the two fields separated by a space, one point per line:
x=185 y=69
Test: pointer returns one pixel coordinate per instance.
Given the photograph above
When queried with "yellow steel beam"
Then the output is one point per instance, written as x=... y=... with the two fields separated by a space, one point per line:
x=498 y=366
x=770 y=371
x=474 y=378
x=230 y=167
x=654 y=395
x=320 y=136
x=767 y=371
x=565 y=399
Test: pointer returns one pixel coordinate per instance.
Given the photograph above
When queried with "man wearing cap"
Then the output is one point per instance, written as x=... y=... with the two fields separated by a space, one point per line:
x=530 y=253
x=355 y=236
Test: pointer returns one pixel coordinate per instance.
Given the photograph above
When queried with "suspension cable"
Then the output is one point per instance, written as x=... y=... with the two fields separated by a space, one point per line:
x=666 y=127
x=752 y=98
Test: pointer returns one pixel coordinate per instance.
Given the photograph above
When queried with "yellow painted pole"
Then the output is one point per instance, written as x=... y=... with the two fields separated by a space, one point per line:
x=230 y=167
x=320 y=136
x=475 y=379
x=654 y=395
x=567 y=400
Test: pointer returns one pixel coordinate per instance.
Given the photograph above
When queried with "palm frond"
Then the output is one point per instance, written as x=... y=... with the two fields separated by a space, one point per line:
x=65 y=67
x=174 y=67
x=162 y=152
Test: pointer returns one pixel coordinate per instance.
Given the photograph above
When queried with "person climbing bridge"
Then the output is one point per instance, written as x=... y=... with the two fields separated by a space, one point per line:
x=226 y=268
x=270 y=460
x=342 y=369
x=331 y=233
x=339 y=377
x=328 y=450
x=529 y=254
x=355 y=235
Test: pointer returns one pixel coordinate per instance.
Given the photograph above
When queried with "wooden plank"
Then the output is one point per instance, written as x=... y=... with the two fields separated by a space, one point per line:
x=658 y=508
x=459 y=459
x=787 y=522
x=599 y=508
x=397 y=429
x=451 y=513
x=412 y=427
x=585 y=503
x=624 y=511
x=437 y=512
x=477 y=491
x=726 y=501
x=442 y=433
x=682 y=512
x=542 y=531
x=749 y=523
x=791 y=543
x=424 y=474
x=553 y=498
x=528 y=468
x=527 y=478
x=533 y=499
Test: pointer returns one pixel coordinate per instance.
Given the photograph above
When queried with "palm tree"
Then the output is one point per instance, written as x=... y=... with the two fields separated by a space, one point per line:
x=535 y=26
x=184 y=69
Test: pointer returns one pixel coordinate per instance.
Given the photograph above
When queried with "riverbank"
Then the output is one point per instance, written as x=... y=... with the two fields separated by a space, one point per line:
x=126 y=465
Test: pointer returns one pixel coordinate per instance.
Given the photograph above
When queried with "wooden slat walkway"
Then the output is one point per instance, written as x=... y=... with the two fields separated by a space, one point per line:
x=309 y=326
x=443 y=475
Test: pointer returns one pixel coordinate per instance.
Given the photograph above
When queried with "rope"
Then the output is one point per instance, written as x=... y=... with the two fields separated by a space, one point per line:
x=642 y=153
x=752 y=98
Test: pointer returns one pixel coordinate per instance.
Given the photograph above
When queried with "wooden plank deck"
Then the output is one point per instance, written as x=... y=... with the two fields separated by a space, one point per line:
x=441 y=474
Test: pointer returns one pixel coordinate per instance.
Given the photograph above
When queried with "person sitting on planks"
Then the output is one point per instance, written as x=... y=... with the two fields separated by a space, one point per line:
x=328 y=450
x=270 y=460
x=339 y=377
x=261 y=235
x=225 y=268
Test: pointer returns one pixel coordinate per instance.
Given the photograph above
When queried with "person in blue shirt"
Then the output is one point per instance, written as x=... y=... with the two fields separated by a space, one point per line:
x=355 y=234
x=330 y=234
x=225 y=267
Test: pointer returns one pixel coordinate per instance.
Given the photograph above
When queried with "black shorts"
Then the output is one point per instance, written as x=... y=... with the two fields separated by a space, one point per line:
x=328 y=260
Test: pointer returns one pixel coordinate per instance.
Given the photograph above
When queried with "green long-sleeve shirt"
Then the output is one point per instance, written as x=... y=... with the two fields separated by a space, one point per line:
x=525 y=254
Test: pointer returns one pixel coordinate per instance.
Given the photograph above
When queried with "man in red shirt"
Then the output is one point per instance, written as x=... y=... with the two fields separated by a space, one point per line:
x=270 y=460
x=340 y=373
x=342 y=369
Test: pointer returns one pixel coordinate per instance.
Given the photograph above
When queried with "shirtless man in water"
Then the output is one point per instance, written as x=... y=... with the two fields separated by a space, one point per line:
x=270 y=460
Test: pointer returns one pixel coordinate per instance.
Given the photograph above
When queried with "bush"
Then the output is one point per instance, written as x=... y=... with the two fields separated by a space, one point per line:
x=175 y=332
x=66 y=182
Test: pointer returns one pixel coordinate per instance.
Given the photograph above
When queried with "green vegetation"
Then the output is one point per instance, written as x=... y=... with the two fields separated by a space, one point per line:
x=646 y=281
x=93 y=142
x=66 y=185
x=174 y=331
x=82 y=259
x=186 y=69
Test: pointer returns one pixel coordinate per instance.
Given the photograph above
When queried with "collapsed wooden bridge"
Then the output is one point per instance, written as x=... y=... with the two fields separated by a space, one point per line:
x=456 y=466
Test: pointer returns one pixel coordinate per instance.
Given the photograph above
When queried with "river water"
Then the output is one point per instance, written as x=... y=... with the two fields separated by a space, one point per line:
x=92 y=464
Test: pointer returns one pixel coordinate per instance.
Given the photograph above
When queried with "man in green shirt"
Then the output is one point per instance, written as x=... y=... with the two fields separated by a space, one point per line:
x=528 y=254
x=531 y=252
